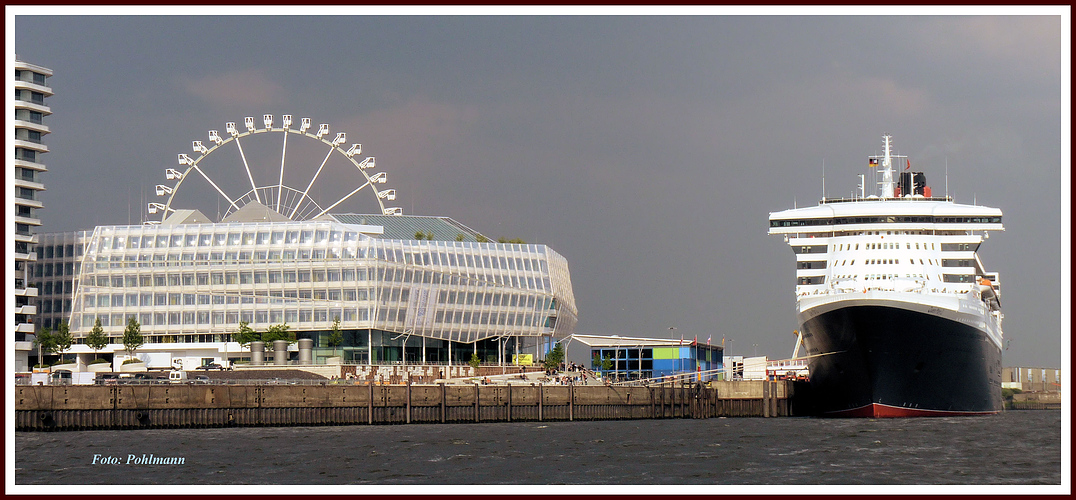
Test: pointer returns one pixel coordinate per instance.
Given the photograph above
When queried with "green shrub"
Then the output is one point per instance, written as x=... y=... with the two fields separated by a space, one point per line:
x=1008 y=393
x=132 y=360
x=98 y=361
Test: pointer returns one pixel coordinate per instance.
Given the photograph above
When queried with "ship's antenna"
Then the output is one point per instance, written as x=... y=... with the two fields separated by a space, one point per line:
x=862 y=186
x=823 y=180
x=946 y=176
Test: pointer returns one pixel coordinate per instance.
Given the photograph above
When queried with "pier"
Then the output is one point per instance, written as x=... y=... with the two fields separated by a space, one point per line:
x=67 y=408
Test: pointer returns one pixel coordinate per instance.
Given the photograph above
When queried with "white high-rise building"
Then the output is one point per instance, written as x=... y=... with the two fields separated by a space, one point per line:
x=31 y=89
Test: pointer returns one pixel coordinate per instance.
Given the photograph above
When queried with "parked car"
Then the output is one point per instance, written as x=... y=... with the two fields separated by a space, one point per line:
x=149 y=378
x=200 y=379
x=107 y=378
x=211 y=366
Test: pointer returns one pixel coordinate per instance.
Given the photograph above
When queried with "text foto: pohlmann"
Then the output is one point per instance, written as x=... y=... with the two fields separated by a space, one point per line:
x=133 y=459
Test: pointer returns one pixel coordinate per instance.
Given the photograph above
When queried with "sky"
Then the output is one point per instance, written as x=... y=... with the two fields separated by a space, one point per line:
x=647 y=150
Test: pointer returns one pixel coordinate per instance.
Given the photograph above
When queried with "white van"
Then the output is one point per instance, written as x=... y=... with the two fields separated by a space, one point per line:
x=177 y=377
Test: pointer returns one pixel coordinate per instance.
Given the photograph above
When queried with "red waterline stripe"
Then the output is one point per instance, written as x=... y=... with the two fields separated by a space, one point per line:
x=878 y=410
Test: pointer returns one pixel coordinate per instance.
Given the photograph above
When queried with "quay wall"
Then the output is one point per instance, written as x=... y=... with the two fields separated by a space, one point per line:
x=57 y=408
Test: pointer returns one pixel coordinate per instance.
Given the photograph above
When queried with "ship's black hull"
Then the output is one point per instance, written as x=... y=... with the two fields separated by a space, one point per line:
x=878 y=361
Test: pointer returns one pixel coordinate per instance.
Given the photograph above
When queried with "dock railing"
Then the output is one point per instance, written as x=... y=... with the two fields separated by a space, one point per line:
x=685 y=377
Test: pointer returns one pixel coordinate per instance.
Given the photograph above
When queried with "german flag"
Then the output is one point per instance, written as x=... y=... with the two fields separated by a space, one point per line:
x=873 y=162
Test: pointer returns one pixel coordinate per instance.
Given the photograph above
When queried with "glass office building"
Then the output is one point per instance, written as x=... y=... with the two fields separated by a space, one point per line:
x=398 y=299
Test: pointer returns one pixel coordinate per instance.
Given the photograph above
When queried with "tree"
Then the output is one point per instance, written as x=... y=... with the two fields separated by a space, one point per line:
x=96 y=339
x=132 y=337
x=336 y=336
x=481 y=239
x=245 y=335
x=278 y=332
x=554 y=357
x=419 y=235
x=62 y=339
x=607 y=363
x=519 y=241
x=45 y=345
x=459 y=236
x=474 y=362
x=429 y=236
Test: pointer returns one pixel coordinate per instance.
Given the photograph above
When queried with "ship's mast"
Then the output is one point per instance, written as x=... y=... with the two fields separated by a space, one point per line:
x=887 y=183
x=887 y=172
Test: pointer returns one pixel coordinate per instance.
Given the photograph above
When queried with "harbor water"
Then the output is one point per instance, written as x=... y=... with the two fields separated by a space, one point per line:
x=1012 y=448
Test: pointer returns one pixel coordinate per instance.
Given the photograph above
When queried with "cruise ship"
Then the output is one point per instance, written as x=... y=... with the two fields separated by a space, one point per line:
x=897 y=313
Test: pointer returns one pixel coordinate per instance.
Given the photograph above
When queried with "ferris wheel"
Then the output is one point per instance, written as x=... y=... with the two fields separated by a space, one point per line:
x=293 y=203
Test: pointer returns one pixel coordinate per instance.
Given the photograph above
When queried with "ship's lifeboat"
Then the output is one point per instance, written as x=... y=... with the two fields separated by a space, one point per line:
x=989 y=296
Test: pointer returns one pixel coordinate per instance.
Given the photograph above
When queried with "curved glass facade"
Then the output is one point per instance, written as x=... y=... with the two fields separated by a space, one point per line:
x=197 y=282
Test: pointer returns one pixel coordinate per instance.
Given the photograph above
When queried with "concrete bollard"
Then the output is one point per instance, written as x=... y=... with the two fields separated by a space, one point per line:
x=306 y=347
x=280 y=352
x=257 y=353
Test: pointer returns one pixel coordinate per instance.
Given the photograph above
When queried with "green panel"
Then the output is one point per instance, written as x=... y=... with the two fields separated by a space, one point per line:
x=666 y=353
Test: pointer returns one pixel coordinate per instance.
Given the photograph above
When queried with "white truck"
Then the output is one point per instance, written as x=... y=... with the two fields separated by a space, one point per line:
x=177 y=377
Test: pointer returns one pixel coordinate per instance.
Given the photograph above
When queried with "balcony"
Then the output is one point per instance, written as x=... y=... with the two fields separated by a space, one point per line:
x=25 y=257
x=26 y=143
x=20 y=291
x=30 y=164
x=37 y=85
x=30 y=238
x=28 y=185
x=27 y=219
x=33 y=105
x=24 y=328
x=26 y=310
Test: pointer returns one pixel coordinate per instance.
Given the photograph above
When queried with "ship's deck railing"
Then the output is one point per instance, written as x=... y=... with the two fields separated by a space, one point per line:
x=909 y=199
x=847 y=290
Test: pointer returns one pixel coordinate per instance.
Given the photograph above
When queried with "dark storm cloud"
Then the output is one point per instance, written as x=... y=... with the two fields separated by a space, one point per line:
x=646 y=150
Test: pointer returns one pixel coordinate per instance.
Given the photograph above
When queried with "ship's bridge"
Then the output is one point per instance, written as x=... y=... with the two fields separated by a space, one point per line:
x=895 y=214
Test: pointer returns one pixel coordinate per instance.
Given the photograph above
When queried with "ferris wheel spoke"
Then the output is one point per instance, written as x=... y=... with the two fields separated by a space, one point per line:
x=246 y=166
x=214 y=184
x=316 y=174
x=280 y=183
x=341 y=200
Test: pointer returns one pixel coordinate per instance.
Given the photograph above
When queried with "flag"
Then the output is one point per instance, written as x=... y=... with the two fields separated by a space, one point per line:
x=708 y=339
x=909 y=164
x=874 y=162
x=696 y=341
